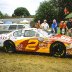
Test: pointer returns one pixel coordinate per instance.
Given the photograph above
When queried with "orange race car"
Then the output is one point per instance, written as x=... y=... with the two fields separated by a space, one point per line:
x=36 y=40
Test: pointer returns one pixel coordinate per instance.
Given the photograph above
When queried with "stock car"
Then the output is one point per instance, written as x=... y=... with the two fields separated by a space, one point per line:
x=36 y=40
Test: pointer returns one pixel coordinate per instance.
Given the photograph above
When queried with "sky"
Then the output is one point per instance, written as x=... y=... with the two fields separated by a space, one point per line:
x=8 y=6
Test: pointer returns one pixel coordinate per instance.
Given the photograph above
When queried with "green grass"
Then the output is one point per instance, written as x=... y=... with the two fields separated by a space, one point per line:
x=33 y=63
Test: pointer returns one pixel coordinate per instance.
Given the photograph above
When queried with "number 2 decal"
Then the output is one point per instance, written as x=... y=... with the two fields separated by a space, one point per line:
x=32 y=44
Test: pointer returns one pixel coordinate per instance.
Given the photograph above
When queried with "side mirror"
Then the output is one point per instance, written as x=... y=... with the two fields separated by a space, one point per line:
x=41 y=39
x=37 y=35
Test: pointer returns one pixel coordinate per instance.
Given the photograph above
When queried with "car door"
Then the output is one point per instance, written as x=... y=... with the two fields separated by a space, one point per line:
x=17 y=38
x=30 y=42
x=34 y=42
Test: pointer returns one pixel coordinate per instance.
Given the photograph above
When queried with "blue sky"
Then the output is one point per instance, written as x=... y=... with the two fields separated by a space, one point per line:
x=8 y=6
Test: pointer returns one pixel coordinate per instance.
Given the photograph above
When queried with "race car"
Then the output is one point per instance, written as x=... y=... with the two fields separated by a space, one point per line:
x=36 y=40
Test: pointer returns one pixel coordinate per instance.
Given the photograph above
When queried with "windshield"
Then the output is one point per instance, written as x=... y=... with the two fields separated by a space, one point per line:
x=12 y=27
x=44 y=33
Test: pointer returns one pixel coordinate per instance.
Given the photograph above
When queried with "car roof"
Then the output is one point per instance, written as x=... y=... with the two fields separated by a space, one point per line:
x=30 y=29
x=10 y=24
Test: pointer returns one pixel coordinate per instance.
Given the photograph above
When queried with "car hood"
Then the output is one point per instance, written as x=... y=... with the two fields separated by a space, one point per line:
x=62 y=38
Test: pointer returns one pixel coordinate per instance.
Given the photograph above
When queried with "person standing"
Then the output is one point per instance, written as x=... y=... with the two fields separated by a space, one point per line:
x=54 y=26
x=69 y=33
x=69 y=24
x=38 y=24
x=45 y=25
x=69 y=27
x=61 y=26
x=64 y=27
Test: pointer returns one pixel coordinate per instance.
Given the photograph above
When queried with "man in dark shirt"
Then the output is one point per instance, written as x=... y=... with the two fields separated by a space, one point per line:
x=69 y=24
x=69 y=27
x=69 y=33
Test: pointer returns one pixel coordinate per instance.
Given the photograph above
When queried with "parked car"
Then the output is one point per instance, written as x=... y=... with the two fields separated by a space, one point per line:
x=36 y=40
x=7 y=22
x=4 y=28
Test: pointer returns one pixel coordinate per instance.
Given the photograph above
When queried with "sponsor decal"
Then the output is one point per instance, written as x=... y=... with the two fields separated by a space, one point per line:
x=62 y=38
x=3 y=37
x=30 y=44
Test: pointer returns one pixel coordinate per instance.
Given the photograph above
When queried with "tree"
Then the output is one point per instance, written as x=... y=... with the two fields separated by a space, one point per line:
x=20 y=11
x=47 y=11
x=62 y=5
x=65 y=4
x=1 y=15
x=53 y=9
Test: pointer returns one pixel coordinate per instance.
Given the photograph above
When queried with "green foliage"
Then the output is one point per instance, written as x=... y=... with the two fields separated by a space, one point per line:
x=62 y=4
x=53 y=9
x=66 y=3
x=4 y=15
x=47 y=11
x=1 y=15
x=20 y=11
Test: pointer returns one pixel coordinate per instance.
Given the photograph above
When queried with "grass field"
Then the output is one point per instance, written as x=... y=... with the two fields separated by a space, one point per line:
x=28 y=62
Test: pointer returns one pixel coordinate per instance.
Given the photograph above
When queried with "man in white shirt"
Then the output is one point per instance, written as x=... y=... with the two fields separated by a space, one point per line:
x=45 y=25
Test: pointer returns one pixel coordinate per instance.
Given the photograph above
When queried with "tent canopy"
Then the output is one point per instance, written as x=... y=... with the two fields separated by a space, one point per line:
x=24 y=22
x=68 y=16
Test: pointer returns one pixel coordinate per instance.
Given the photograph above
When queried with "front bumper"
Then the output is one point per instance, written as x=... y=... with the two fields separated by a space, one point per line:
x=69 y=46
x=69 y=49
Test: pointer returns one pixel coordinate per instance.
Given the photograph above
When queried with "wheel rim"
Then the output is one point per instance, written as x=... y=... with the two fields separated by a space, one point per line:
x=58 y=50
x=8 y=46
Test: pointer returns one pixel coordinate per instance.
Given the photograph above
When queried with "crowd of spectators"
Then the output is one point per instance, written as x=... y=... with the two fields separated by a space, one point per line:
x=65 y=27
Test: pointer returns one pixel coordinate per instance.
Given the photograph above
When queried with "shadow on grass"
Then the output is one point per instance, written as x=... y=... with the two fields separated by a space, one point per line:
x=33 y=53
x=41 y=54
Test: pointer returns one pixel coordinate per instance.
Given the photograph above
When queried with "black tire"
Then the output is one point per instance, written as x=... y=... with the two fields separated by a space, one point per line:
x=9 y=46
x=58 y=49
